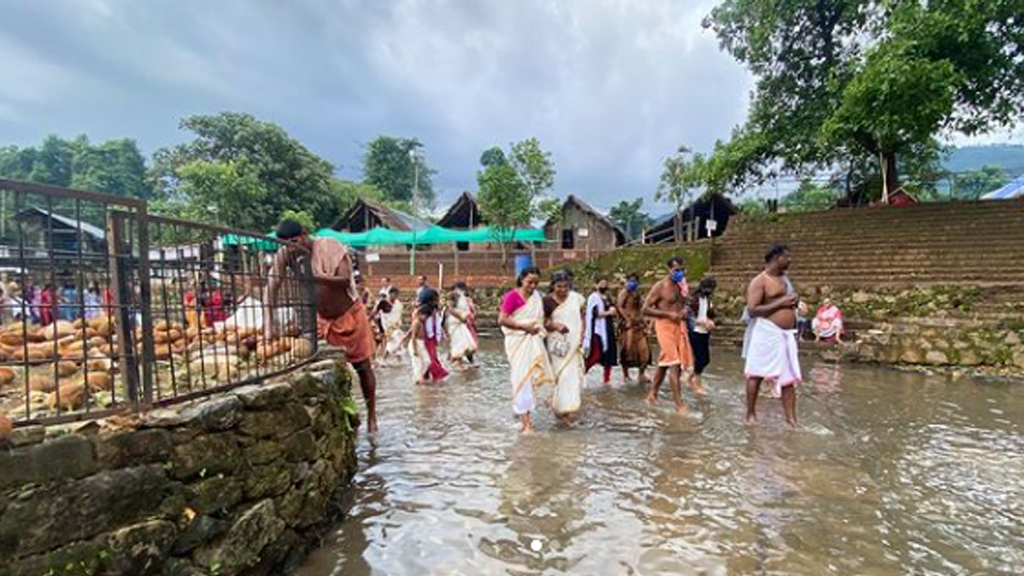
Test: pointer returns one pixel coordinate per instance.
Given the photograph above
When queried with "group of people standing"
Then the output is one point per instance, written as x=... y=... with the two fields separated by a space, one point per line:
x=44 y=304
x=555 y=339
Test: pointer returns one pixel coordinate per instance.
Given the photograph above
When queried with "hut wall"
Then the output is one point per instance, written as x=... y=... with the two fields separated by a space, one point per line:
x=599 y=237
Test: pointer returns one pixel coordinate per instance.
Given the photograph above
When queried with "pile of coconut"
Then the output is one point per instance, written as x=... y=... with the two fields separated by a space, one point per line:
x=68 y=364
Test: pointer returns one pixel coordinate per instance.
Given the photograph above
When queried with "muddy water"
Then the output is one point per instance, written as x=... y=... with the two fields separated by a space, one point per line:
x=892 y=473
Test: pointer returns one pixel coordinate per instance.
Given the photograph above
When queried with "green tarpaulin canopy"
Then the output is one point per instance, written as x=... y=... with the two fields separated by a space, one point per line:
x=432 y=235
x=385 y=237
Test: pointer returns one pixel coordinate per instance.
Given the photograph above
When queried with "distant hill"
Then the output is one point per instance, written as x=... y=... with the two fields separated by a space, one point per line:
x=1009 y=156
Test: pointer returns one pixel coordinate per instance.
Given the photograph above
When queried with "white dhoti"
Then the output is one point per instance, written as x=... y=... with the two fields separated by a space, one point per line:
x=771 y=353
x=393 y=334
x=461 y=342
x=567 y=361
x=528 y=361
x=420 y=358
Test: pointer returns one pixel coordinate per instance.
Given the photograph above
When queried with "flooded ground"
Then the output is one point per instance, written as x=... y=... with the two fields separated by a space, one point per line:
x=892 y=473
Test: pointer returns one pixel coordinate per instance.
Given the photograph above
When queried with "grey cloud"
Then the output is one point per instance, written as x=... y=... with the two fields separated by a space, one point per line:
x=609 y=86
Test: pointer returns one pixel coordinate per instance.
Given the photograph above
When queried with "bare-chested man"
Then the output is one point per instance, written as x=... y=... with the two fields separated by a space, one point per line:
x=342 y=319
x=770 y=348
x=666 y=303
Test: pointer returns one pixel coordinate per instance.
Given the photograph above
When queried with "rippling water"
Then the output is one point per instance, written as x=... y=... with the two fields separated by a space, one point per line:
x=892 y=473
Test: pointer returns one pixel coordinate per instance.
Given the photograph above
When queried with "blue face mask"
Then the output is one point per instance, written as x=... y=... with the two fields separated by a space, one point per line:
x=678 y=276
x=632 y=285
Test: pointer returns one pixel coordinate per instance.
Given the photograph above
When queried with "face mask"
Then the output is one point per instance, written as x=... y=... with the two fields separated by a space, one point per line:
x=678 y=276
x=632 y=285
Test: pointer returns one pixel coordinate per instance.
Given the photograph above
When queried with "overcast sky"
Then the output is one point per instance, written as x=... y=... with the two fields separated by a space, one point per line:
x=609 y=87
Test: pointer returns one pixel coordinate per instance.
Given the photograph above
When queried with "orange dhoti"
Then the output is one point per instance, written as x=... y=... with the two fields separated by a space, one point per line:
x=350 y=331
x=674 y=344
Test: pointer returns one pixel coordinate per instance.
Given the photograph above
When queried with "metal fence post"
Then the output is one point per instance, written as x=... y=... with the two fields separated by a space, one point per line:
x=145 y=306
x=122 y=296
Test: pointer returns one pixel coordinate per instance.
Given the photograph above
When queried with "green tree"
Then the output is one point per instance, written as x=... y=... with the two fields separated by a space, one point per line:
x=866 y=79
x=679 y=178
x=395 y=166
x=550 y=209
x=302 y=217
x=492 y=156
x=511 y=194
x=810 y=196
x=972 y=184
x=630 y=217
x=258 y=160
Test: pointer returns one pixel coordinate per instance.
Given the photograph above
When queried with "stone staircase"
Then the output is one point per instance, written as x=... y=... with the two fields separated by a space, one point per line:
x=950 y=243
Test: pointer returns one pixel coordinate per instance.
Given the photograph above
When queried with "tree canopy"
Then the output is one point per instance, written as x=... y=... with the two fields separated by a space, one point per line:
x=244 y=172
x=510 y=192
x=864 y=79
x=396 y=166
x=114 y=166
x=629 y=216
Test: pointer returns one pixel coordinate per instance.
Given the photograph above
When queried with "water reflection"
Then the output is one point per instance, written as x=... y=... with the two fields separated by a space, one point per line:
x=892 y=473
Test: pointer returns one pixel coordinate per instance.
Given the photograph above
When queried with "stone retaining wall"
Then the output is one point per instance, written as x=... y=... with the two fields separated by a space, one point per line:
x=238 y=483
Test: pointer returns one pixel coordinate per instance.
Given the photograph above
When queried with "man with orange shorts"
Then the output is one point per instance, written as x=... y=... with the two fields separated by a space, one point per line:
x=666 y=304
x=342 y=319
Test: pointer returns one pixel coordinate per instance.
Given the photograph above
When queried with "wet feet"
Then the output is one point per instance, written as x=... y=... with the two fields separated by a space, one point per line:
x=681 y=409
x=371 y=426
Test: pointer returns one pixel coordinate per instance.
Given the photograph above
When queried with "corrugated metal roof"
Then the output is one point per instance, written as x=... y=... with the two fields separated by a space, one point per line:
x=94 y=231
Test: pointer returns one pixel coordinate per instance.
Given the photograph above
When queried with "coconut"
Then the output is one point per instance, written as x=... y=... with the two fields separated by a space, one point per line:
x=7 y=375
x=66 y=368
x=98 y=381
x=6 y=427
x=70 y=396
x=41 y=383
x=58 y=330
x=303 y=348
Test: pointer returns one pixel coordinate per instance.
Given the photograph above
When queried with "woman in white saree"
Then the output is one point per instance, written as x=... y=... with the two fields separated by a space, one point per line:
x=392 y=324
x=522 y=321
x=462 y=343
x=564 y=309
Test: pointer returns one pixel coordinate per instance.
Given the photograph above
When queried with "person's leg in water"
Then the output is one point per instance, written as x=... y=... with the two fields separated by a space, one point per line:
x=607 y=375
x=525 y=423
x=642 y=378
x=368 y=384
x=659 y=377
x=674 y=381
x=789 y=404
x=625 y=373
x=753 y=388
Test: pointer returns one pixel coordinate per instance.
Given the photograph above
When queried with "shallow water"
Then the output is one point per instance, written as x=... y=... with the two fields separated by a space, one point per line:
x=892 y=473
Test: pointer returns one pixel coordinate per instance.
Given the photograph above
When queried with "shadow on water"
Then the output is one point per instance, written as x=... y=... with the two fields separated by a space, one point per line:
x=890 y=473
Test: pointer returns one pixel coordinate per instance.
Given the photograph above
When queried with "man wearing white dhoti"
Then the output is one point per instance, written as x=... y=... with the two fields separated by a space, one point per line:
x=564 y=311
x=770 y=348
x=522 y=321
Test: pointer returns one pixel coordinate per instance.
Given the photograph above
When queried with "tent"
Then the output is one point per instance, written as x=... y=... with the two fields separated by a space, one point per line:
x=380 y=236
x=433 y=235
x=1015 y=189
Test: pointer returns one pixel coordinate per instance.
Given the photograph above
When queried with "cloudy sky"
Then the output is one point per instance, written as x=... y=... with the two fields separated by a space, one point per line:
x=610 y=87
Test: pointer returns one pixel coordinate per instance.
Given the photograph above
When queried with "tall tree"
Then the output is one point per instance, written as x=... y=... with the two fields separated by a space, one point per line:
x=511 y=193
x=492 y=156
x=257 y=159
x=679 y=178
x=866 y=79
x=396 y=166
x=629 y=216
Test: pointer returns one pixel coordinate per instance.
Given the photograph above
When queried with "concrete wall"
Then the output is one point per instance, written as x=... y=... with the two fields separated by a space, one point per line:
x=238 y=483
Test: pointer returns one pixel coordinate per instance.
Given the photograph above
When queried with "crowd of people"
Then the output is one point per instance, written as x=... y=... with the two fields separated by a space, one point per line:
x=555 y=338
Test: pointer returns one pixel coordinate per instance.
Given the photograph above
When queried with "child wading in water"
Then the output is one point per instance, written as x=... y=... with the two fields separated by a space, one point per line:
x=423 y=338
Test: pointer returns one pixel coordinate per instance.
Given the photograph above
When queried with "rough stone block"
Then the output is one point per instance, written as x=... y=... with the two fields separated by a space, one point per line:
x=300 y=446
x=80 y=510
x=263 y=452
x=201 y=530
x=138 y=549
x=214 y=414
x=26 y=436
x=64 y=458
x=133 y=447
x=214 y=494
x=161 y=418
x=249 y=535
x=936 y=358
x=270 y=480
x=280 y=423
x=84 y=556
x=265 y=396
x=207 y=454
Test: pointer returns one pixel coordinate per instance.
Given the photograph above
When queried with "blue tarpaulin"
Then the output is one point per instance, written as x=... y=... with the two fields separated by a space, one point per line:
x=1015 y=189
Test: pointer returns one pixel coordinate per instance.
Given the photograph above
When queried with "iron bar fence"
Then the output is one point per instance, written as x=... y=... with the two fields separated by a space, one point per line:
x=106 y=308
